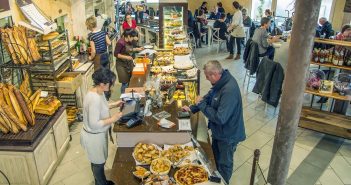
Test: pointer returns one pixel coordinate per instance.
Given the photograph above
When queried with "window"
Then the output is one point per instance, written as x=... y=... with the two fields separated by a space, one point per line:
x=258 y=8
x=326 y=8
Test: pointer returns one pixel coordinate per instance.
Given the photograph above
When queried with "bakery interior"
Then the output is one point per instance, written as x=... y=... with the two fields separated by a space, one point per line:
x=46 y=71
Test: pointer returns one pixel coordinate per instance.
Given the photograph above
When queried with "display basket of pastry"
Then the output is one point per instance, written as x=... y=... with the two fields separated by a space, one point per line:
x=158 y=180
x=181 y=51
x=144 y=154
x=160 y=166
x=177 y=153
x=190 y=175
x=141 y=172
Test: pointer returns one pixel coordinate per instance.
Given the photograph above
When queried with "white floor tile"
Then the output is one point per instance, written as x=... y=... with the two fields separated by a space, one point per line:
x=298 y=155
x=242 y=175
x=308 y=140
x=82 y=177
x=241 y=155
x=330 y=178
x=64 y=171
x=345 y=151
x=257 y=140
x=342 y=168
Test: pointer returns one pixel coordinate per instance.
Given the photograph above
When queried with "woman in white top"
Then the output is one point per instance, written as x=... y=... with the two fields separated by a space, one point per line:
x=237 y=32
x=96 y=123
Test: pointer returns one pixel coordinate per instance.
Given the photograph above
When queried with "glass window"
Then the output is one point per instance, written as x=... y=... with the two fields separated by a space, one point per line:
x=285 y=8
x=325 y=8
x=258 y=8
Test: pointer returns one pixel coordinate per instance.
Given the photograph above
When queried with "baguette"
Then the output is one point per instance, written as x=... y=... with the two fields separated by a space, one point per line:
x=3 y=129
x=2 y=98
x=13 y=118
x=23 y=105
x=30 y=107
x=16 y=106
x=13 y=127
x=35 y=98
x=7 y=98
x=4 y=124
x=7 y=43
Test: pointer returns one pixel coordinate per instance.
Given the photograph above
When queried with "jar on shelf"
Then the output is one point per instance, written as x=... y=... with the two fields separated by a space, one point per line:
x=336 y=58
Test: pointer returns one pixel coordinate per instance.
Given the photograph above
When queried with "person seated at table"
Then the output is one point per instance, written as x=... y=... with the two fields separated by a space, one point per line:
x=217 y=11
x=264 y=40
x=269 y=15
x=202 y=27
x=325 y=28
x=129 y=23
x=219 y=23
x=204 y=7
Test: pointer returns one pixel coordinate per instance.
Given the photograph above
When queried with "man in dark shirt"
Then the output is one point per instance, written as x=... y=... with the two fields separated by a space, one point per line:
x=325 y=28
x=219 y=23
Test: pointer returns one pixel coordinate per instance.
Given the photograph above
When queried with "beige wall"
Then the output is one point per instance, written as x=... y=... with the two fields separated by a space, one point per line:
x=338 y=14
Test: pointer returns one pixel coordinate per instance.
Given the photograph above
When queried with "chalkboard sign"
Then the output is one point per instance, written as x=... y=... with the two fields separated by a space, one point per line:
x=4 y=5
x=347 y=6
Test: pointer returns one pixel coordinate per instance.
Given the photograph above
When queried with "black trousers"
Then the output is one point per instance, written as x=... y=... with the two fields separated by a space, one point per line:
x=99 y=174
x=223 y=152
x=231 y=45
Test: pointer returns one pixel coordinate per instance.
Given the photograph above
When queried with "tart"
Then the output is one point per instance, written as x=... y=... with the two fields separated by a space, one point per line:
x=145 y=153
x=191 y=174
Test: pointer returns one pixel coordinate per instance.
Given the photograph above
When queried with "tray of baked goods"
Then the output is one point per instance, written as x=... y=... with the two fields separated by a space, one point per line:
x=170 y=164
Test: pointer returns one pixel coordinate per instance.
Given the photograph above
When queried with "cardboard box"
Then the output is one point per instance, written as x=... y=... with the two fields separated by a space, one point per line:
x=69 y=87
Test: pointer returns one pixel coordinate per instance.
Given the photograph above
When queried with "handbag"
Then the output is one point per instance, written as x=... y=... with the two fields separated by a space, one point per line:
x=238 y=32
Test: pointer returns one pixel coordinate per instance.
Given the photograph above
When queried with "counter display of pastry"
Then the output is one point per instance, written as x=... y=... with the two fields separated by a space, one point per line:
x=146 y=145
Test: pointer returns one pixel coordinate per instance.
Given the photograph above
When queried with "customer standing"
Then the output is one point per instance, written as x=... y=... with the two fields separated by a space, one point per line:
x=124 y=60
x=237 y=32
x=129 y=23
x=96 y=123
x=99 y=41
x=222 y=106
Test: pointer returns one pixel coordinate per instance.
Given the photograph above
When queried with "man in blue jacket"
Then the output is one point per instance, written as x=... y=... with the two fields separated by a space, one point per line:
x=222 y=106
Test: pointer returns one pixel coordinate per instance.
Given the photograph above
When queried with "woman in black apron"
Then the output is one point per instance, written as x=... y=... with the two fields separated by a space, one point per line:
x=124 y=53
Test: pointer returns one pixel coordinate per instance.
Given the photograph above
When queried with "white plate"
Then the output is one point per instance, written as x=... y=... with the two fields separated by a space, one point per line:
x=148 y=47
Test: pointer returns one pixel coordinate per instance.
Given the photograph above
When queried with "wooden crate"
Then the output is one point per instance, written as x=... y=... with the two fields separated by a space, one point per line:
x=69 y=87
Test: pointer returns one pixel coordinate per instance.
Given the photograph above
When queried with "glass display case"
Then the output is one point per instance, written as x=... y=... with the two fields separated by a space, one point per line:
x=173 y=19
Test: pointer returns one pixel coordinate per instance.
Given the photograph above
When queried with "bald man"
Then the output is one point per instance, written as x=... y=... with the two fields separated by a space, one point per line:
x=222 y=106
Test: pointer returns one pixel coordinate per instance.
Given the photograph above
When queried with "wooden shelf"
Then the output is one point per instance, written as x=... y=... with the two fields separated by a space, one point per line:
x=333 y=95
x=326 y=122
x=327 y=64
x=333 y=42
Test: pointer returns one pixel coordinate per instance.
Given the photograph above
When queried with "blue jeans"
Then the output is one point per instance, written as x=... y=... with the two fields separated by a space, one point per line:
x=123 y=87
x=99 y=174
x=269 y=53
x=223 y=152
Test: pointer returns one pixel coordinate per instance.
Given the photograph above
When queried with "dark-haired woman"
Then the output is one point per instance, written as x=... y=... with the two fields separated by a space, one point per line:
x=237 y=32
x=129 y=23
x=96 y=123
x=124 y=50
x=204 y=7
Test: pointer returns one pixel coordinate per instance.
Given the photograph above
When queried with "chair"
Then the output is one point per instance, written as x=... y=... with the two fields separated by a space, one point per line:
x=201 y=34
x=216 y=38
x=192 y=39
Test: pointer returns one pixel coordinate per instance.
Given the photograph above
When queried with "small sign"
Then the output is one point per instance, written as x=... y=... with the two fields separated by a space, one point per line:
x=4 y=5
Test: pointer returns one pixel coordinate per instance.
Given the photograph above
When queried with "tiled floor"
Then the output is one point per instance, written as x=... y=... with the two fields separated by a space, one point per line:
x=260 y=126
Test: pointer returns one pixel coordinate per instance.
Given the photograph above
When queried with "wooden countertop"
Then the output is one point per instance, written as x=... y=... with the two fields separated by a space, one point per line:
x=31 y=148
x=124 y=163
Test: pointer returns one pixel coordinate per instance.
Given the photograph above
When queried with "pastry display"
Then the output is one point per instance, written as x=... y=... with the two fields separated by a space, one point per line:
x=50 y=36
x=191 y=174
x=179 y=95
x=145 y=153
x=71 y=114
x=176 y=153
x=160 y=166
x=141 y=172
x=47 y=106
x=158 y=180
x=168 y=79
x=181 y=51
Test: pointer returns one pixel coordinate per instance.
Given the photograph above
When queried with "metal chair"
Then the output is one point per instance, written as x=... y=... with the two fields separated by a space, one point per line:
x=215 y=38
x=198 y=24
